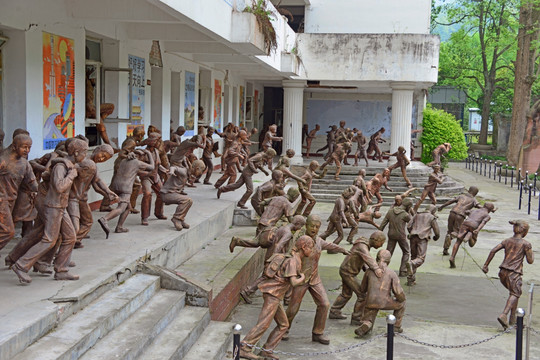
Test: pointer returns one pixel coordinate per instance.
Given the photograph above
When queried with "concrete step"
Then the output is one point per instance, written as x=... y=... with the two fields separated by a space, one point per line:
x=75 y=336
x=178 y=338
x=130 y=339
x=387 y=200
x=223 y=272
x=213 y=343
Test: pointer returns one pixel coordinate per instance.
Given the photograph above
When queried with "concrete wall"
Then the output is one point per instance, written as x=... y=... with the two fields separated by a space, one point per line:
x=368 y=16
x=382 y=57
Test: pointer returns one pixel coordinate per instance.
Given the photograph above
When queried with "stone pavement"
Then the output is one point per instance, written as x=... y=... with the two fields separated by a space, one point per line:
x=446 y=307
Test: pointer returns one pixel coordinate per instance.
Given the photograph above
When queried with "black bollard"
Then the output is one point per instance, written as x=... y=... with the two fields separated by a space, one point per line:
x=485 y=167
x=519 y=334
x=534 y=184
x=489 y=169
x=236 y=341
x=506 y=175
x=500 y=171
x=476 y=170
x=529 y=204
x=519 y=176
x=512 y=178
x=527 y=179
x=390 y=321
x=520 y=185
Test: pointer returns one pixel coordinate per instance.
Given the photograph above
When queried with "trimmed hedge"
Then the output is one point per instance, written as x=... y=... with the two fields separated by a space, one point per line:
x=441 y=127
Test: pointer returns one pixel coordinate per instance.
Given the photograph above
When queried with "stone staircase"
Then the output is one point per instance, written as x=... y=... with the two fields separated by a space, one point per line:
x=328 y=189
x=136 y=320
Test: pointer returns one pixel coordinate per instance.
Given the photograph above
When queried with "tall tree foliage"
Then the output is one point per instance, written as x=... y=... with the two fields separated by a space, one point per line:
x=527 y=70
x=478 y=57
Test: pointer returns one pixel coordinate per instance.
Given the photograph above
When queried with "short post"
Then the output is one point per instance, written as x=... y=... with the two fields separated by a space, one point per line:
x=512 y=177
x=500 y=171
x=534 y=184
x=390 y=321
x=527 y=179
x=506 y=175
x=520 y=185
x=236 y=341
x=519 y=334
x=529 y=321
x=519 y=176
x=529 y=204
x=485 y=167
x=489 y=169
x=476 y=170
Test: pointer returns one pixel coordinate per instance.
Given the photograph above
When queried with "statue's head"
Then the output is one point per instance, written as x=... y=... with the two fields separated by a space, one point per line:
x=314 y=165
x=102 y=153
x=277 y=176
x=473 y=190
x=377 y=239
x=197 y=168
x=77 y=148
x=138 y=133
x=313 y=224
x=293 y=194
x=22 y=144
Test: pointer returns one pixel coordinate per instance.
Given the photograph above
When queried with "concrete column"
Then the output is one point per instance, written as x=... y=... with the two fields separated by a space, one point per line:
x=293 y=106
x=402 y=101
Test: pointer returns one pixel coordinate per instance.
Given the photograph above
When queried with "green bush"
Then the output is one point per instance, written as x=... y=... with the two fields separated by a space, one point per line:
x=441 y=127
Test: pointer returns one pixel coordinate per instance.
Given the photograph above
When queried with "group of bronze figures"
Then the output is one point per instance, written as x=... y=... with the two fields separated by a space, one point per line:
x=50 y=196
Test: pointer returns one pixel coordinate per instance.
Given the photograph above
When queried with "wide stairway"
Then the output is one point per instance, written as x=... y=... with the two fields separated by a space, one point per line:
x=328 y=189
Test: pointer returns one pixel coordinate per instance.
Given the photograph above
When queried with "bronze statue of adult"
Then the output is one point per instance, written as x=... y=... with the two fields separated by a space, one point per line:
x=397 y=218
x=435 y=178
x=469 y=229
x=309 y=138
x=313 y=282
x=122 y=181
x=382 y=293
x=349 y=270
x=439 y=152
x=15 y=171
x=420 y=228
x=172 y=192
x=464 y=203
x=56 y=219
x=516 y=249
x=361 y=142
x=271 y=188
x=305 y=188
x=254 y=163
x=209 y=149
x=401 y=162
x=374 y=142
x=151 y=182
x=288 y=273
x=105 y=109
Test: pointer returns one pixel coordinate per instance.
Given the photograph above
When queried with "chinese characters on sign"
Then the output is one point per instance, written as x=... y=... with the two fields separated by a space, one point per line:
x=189 y=103
x=138 y=80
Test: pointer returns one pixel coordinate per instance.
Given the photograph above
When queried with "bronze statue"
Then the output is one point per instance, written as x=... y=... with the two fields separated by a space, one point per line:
x=349 y=270
x=361 y=142
x=231 y=158
x=172 y=192
x=280 y=243
x=124 y=176
x=255 y=162
x=516 y=249
x=278 y=207
x=313 y=282
x=309 y=138
x=15 y=171
x=305 y=188
x=360 y=183
x=105 y=109
x=374 y=142
x=284 y=164
x=402 y=162
x=469 y=229
x=382 y=293
x=374 y=187
x=435 y=178
x=330 y=141
x=209 y=148
x=87 y=175
x=151 y=182
x=420 y=228
x=269 y=138
x=338 y=217
x=337 y=157
x=2 y=135
x=56 y=219
x=439 y=151
x=282 y=273
x=397 y=219
x=464 y=203
x=271 y=188
x=369 y=215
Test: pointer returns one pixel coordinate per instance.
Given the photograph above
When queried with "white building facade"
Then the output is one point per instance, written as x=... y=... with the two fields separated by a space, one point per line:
x=158 y=61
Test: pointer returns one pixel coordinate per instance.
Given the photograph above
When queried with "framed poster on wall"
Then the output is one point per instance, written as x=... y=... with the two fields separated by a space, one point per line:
x=249 y=109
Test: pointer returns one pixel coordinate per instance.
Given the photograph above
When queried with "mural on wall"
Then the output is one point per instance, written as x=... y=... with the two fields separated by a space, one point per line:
x=217 y=104
x=241 y=107
x=189 y=103
x=58 y=89
x=138 y=80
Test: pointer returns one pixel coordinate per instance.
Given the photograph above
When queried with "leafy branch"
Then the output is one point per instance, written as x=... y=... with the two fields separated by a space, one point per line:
x=264 y=20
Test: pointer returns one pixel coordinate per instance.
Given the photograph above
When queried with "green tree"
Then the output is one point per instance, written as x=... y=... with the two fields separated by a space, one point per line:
x=441 y=127
x=478 y=57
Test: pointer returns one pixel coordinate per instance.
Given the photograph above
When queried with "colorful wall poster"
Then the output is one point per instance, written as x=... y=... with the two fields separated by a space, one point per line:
x=241 y=107
x=138 y=82
x=217 y=104
x=58 y=89
x=189 y=103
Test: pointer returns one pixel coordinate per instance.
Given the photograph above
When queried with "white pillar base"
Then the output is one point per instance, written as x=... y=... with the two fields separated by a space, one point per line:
x=402 y=101
x=293 y=106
